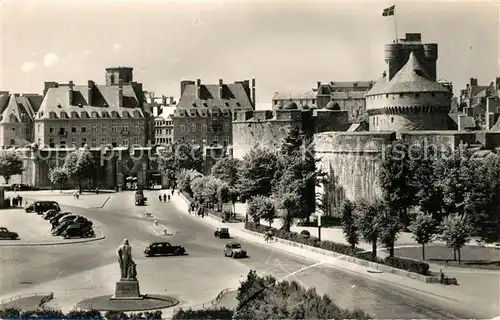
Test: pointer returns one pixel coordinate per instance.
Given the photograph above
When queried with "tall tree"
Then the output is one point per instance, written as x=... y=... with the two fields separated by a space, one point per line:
x=349 y=227
x=288 y=198
x=184 y=179
x=456 y=231
x=261 y=207
x=394 y=176
x=58 y=176
x=257 y=173
x=390 y=226
x=482 y=197
x=454 y=178
x=10 y=164
x=79 y=164
x=368 y=221
x=425 y=179
x=178 y=156
x=227 y=169
x=424 y=229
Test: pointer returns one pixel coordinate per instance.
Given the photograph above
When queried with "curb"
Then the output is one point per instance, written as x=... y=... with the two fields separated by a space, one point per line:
x=32 y=199
x=201 y=306
x=58 y=243
x=102 y=206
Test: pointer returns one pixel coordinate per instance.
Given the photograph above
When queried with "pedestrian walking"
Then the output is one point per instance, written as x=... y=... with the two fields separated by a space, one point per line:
x=172 y=192
x=159 y=197
x=168 y=197
x=164 y=197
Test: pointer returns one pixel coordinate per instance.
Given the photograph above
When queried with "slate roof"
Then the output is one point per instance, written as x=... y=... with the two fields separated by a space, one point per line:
x=410 y=78
x=234 y=97
x=105 y=98
x=14 y=106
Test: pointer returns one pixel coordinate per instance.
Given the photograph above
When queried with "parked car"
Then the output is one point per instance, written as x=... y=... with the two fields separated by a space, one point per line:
x=222 y=233
x=163 y=248
x=82 y=230
x=55 y=219
x=140 y=199
x=68 y=217
x=234 y=250
x=5 y=234
x=41 y=206
x=49 y=214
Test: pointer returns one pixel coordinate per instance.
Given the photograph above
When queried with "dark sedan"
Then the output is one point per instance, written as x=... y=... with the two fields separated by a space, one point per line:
x=8 y=235
x=163 y=248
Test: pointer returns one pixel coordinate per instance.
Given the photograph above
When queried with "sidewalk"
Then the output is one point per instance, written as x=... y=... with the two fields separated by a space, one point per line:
x=436 y=291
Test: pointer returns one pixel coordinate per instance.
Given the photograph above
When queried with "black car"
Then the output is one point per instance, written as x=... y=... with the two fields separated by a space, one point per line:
x=41 y=206
x=163 y=248
x=81 y=230
x=140 y=199
x=8 y=235
x=55 y=219
x=58 y=230
x=49 y=214
x=222 y=233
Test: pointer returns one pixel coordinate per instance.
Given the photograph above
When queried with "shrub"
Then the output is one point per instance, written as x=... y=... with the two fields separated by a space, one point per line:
x=326 y=222
x=395 y=262
x=305 y=233
x=76 y=314
x=220 y=314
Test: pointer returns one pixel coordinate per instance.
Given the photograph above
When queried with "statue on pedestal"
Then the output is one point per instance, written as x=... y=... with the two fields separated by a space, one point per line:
x=124 y=253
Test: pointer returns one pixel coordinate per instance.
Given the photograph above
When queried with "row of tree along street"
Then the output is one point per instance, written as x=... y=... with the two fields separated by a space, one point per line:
x=258 y=298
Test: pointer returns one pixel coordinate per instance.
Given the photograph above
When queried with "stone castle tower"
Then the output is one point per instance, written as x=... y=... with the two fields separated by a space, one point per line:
x=407 y=97
x=115 y=74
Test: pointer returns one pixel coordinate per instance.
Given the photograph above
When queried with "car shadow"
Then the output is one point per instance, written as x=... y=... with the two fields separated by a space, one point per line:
x=168 y=255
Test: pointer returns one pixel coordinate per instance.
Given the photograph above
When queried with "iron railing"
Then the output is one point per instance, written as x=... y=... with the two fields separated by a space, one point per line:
x=25 y=295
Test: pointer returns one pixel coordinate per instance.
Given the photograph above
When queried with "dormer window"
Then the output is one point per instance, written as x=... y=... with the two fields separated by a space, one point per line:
x=137 y=114
x=59 y=105
x=84 y=114
x=125 y=114
x=74 y=114
x=105 y=114
x=115 y=114
x=64 y=115
x=194 y=104
x=52 y=115
x=95 y=114
x=12 y=118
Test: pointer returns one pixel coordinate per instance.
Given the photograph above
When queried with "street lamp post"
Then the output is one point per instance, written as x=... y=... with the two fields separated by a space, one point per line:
x=319 y=227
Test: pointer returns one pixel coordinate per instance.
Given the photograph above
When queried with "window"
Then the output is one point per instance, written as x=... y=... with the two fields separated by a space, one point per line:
x=63 y=143
x=14 y=129
x=84 y=129
x=392 y=119
x=401 y=95
x=62 y=130
x=125 y=127
x=125 y=142
x=104 y=128
x=216 y=140
x=51 y=129
x=137 y=140
x=433 y=94
x=114 y=127
x=74 y=142
x=94 y=127
x=136 y=127
x=226 y=127
x=51 y=142
x=93 y=142
x=313 y=101
x=104 y=141
x=193 y=127
x=73 y=129
x=417 y=94
x=226 y=142
x=38 y=128
x=84 y=142
x=113 y=142
x=204 y=127
x=182 y=128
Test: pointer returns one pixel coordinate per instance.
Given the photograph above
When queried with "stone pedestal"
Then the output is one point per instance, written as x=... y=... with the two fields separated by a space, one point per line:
x=127 y=290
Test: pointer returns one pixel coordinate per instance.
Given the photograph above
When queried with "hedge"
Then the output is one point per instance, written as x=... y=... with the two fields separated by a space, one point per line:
x=12 y=313
x=395 y=262
x=220 y=314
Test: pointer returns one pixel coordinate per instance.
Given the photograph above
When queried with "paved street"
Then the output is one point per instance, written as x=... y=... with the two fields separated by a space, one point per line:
x=197 y=277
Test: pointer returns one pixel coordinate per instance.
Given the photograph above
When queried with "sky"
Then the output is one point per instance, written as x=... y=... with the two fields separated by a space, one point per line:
x=287 y=46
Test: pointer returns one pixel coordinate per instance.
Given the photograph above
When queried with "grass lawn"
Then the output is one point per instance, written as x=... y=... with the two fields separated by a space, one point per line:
x=472 y=256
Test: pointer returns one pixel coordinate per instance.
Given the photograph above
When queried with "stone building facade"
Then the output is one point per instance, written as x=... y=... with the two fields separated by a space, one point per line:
x=95 y=115
x=349 y=95
x=16 y=120
x=164 y=128
x=205 y=111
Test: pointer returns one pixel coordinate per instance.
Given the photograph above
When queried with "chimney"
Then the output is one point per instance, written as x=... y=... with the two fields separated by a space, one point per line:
x=488 y=112
x=253 y=92
x=497 y=83
x=120 y=93
x=198 y=88
x=71 y=85
x=221 y=88
x=319 y=84
x=473 y=82
x=48 y=85
x=90 y=89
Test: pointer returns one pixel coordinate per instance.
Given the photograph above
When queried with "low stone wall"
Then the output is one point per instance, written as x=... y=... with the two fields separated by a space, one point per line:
x=361 y=262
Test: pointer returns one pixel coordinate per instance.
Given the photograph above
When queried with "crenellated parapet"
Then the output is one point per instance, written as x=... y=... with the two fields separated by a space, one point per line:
x=408 y=110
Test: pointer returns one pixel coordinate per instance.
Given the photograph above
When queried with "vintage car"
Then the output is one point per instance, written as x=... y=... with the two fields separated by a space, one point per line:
x=41 y=206
x=81 y=230
x=163 y=248
x=222 y=233
x=5 y=234
x=140 y=199
x=55 y=219
x=58 y=231
x=49 y=214
x=234 y=250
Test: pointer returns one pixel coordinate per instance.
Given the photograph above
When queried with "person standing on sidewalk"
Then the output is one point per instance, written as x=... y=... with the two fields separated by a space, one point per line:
x=164 y=197
x=159 y=197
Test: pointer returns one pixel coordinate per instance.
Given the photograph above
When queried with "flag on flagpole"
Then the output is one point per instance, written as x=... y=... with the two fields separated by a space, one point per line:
x=389 y=11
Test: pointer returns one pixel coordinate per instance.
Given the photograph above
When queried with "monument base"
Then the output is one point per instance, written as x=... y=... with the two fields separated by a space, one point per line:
x=127 y=290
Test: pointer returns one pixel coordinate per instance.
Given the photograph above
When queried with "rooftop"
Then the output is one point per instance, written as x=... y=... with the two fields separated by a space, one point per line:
x=234 y=96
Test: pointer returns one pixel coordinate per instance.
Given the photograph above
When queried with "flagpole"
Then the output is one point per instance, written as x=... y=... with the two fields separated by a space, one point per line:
x=396 y=25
